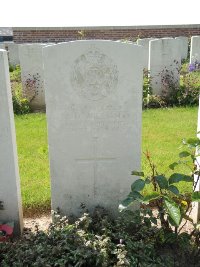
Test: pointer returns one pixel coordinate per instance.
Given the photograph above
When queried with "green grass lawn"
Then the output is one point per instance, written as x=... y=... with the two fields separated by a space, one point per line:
x=163 y=131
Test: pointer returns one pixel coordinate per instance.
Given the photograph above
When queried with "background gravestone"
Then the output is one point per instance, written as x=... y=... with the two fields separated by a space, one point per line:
x=94 y=104
x=145 y=43
x=195 y=49
x=183 y=46
x=9 y=173
x=13 y=54
x=2 y=46
x=164 y=59
x=31 y=63
x=195 y=205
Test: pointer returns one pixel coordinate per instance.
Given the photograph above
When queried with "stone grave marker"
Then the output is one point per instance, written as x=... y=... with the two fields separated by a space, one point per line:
x=195 y=49
x=183 y=46
x=9 y=173
x=13 y=54
x=2 y=46
x=195 y=205
x=94 y=103
x=164 y=59
x=31 y=62
x=145 y=43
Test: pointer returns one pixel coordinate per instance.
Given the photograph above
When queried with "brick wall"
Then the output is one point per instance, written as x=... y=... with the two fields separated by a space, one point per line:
x=39 y=35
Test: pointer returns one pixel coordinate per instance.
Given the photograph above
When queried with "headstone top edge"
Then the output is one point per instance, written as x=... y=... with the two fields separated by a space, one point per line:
x=116 y=43
x=34 y=45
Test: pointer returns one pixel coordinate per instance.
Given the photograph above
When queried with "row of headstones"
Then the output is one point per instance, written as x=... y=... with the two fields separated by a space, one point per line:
x=93 y=92
x=160 y=56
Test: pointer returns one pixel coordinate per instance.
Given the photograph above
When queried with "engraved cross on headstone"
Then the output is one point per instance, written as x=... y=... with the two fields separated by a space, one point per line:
x=95 y=159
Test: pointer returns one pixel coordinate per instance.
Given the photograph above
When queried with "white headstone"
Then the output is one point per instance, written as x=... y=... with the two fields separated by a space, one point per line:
x=6 y=43
x=145 y=43
x=13 y=54
x=184 y=46
x=31 y=62
x=164 y=59
x=9 y=173
x=94 y=104
x=195 y=49
x=2 y=46
x=196 y=205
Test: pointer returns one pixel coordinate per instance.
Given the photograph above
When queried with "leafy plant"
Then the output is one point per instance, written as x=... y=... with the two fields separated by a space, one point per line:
x=189 y=89
x=20 y=103
x=154 y=101
x=15 y=74
x=174 y=92
x=97 y=240
x=172 y=206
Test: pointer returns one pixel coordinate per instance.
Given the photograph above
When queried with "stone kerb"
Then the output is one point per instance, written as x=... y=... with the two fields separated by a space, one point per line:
x=9 y=173
x=94 y=105
x=164 y=64
x=31 y=63
x=195 y=49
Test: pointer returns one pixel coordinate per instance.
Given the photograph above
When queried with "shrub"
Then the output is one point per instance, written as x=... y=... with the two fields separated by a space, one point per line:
x=15 y=74
x=172 y=206
x=20 y=103
x=189 y=89
x=98 y=240
x=150 y=100
x=154 y=101
x=175 y=93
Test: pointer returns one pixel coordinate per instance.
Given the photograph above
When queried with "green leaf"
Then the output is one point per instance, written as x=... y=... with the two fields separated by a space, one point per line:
x=162 y=181
x=171 y=221
x=192 y=142
x=125 y=203
x=135 y=195
x=173 y=165
x=198 y=226
x=153 y=220
x=184 y=154
x=136 y=173
x=147 y=181
x=150 y=197
x=179 y=177
x=138 y=185
x=196 y=196
x=173 y=211
x=173 y=189
x=129 y=200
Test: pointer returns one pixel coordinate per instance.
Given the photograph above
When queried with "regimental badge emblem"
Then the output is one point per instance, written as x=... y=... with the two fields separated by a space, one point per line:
x=94 y=75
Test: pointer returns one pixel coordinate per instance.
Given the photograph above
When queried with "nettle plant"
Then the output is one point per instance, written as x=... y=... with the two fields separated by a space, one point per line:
x=173 y=208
